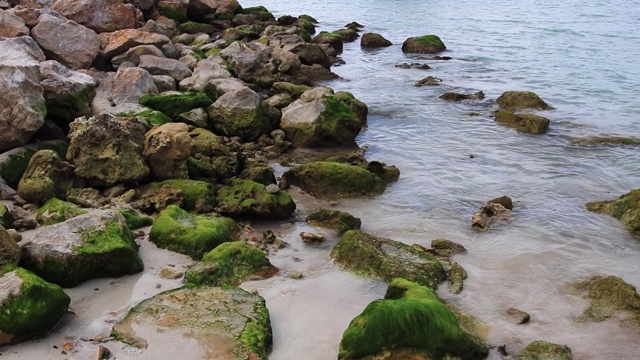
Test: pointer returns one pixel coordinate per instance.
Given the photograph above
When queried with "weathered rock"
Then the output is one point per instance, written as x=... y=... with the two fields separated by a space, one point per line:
x=504 y=201
x=93 y=245
x=99 y=15
x=29 y=306
x=194 y=235
x=156 y=65
x=133 y=55
x=230 y=264
x=175 y=103
x=166 y=149
x=334 y=219
x=164 y=83
x=118 y=42
x=6 y=218
x=22 y=105
x=429 y=81
x=519 y=316
x=224 y=323
x=605 y=140
x=626 y=209
x=193 y=195
x=162 y=25
x=173 y=9
x=518 y=100
x=10 y=251
x=348 y=35
x=528 y=123
x=415 y=65
x=14 y=163
x=427 y=44
x=609 y=295
x=244 y=197
x=455 y=97
x=11 y=25
x=263 y=175
x=241 y=113
x=334 y=40
x=56 y=211
x=205 y=71
x=373 y=40
x=311 y=237
x=126 y=85
x=447 y=248
x=489 y=214
x=106 y=150
x=456 y=275
x=412 y=318
x=134 y=220
x=46 y=176
x=368 y=255
x=541 y=349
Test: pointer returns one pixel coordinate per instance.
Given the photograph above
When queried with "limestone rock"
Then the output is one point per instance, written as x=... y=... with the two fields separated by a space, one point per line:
x=68 y=93
x=118 y=42
x=528 y=123
x=166 y=149
x=164 y=83
x=98 y=15
x=192 y=195
x=427 y=44
x=240 y=113
x=518 y=100
x=11 y=25
x=156 y=65
x=133 y=55
x=10 y=251
x=519 y=316
x=174 y=103
x=13 y=163
x=56 y=211
x=455 y=97
x=244 y=197
x=126 y=85
x=374 y=40
x=609 y=295
x=46 y=176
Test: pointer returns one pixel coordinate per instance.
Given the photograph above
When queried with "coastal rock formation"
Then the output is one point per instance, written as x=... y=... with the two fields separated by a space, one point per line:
x=192 y=195
x=119 y=42
x=56 y=211
x=133 y=55
x=373 y=40
x=242 y=197
x=241 y=113
x=332 y=42
x=494 y=210
x=92 y=14
x=174 y=103
x=626 y=209
x=527 y=123
x=14 y=163
x=12 y=26
x=10 y=251
x=455 y=97
x=334 y=219
x=125 y=86
x=541 y=349
x=46 y=176
x=427 y=44
x=609 y=295
x=6 y=218
x=205 y=71
x=166 y=149
x=519 y=100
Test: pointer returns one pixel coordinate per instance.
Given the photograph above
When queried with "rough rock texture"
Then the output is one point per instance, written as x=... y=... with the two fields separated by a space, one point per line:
x=10 y=251
x=174 y=103
x=334 y=219
x=68 y=93
x=205 y=71
x=240 y=113
x=93 y=245
x=46 y=177
x=14 y=163
x=224 y=324
x=427 y=44
x=373 y=40
x=6 y=217
x=56 y=211
x=387 y=259
x=106 y=150
x=610 y=295
x=518 y=100
x=455 y=97
x=156 y=65
x=126 y=85
x=118 y=42
x=166 y=149
x=66 y=41
x=626 y=209
x=22 y=105
x=29 y=306
x=133 y=55
x=243 y=197
x=193 y=195
x=605 y=140
x=543 y=350
x=98 y=15
x=527 y=123
x=11 y=25
x=489 y=214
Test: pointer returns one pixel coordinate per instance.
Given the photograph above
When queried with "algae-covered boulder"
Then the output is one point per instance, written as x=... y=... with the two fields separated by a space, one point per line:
x=14 y=163
x=10 y=251
x=330 y=180
x=383 y=258
x=230 y=264
x=243 y=197
x=427 y=44
x=409 y=318
x=334 y=219
x=241 y=113
x=189 y=194
x=223 y=323
x=46 y=176
x=134 y=220
x=609 y=295
x=518 y=100
x=173 y=103
x=55 y=211
x=543 y=350
x=6 y=218
x=93 y=245
x=194 y=235
x=527 y=123
x=29 y=306
x=626 y=209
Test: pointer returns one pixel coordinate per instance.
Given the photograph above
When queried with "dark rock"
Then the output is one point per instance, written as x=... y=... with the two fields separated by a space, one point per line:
x=519 y=316
x=427 y=44
x=374 y=40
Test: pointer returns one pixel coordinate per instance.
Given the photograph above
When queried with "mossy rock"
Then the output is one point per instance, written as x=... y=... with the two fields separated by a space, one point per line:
x=626 y=209
x=134 y=220
x=427 y=44
x=229 y=322
x=29 y=306
x=190 y=234
x=543 y=350
x=198 y=195
x=6 y=218
x=14 y=163
x=527 y=123
x=288 y=88
x=519 y=100
x=260 y=174
x=230 y=264
x=55 y=211
x=383 y=258
x=409 y=317
x=173 y=14
x=609 y=295
x=348 y=35
x=191 y=27
x=605 y=140
x=243 y=197
x=173 y=104
x=334 y=219
x=10 y=251
x=331 y=180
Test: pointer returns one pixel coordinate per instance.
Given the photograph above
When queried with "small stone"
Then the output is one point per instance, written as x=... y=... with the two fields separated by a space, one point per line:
x=273 y=189
x=25 y=224
x=268 y=237
x=311 y=238
x=170 y=273
x=504 y=201
x=519 y=316
x=279 y=244
x=293 y=274
x=102 y=353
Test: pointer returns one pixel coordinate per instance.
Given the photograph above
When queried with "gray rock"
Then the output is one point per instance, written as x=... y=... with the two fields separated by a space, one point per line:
x=373 y=40
x=162 y=25
x=46 y=177
x=240 y=113
x=205 y=71
x=124 y=86
x=118 y=42
x=68 y=93
x=156 y=65
x=164 y=83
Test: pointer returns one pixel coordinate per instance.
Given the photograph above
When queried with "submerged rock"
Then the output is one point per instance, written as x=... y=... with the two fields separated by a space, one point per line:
x=626 y=209
x=541 y=349
x=605 y=140
x=243 y=197
x=334 y=219
x=455 y=97
x=491 y=212
x=519 y=100
x=527 y=123
x=609 y=295
x=427 y=44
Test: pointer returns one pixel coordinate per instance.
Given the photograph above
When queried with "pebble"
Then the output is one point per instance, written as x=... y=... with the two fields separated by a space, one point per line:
x=294 y=274
x=519 y=316
x=311 y=237
x=273 y=189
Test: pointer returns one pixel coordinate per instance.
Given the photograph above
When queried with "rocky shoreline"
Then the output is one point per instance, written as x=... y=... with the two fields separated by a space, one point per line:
x=139 y=122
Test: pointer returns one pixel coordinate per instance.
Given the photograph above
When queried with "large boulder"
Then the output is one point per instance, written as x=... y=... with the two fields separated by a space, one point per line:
x=156 y=65
x=320 y=118
x=373 y=40
x=10 y=251
x=190 y=234
x=66 y=41
x=118 y=42
x=241 y=113
x=626 y=209
x=527 y=123
x=205 y=71
x=29 y=306
x=540 y=349
x=125 y=86
x=519 y=100
x=243 y=197
x=427 y=44
x=98 y=15
x=224 y=323
x=387 y=259
x=410 y=319
x=106 y=150
x=11 y=25
x=14 y=163
x=46 y=176
x=22 y=105
x=193 y=195
x=166 y=149
x=93 y=245
x=609 y=296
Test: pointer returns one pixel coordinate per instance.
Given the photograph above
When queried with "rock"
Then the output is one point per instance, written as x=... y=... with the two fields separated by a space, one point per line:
x=230 y=264
x=626 y=209
x=528 y=123
x=605 y=140
x=518 y=100
x=22 y=106
x=309 y=53
x=334 y=40
x=99 y=15
x=241 y=113
x=519 y=316
x=119 y=42
x=418 y=66
x=205 y=71
x=164 y=83
x=134 y=220
x=504 y=201
x=447 y=248
x=609 y=295
x=348 y=35
x=125 y=86
x=30 y=306
x=156 y=65
x=451 y=96
x=541 y=349
x=225 y=323
x=242 y=197
x=489 y=213
x=429 y=81
x=311 y=237
x=10 y=251
x=12 y=26
x=87 y=197
x=56 y=211
x=102 y=353
x=334 y=219
x=133 y=55
x=388 y=173
x=329 y=180
x=14 y=163
x=93 y=245
x=193 y=195
x=194 y=235
x=196 y=117
x=456 y=275
x=427 y=44
x=68 y=93
x=374 y=40
x=46 y=176
x=170 y=273
x=272 y=189
x=294 y=274
x=175 y=103
x=368 y=255
x=6 y=218
x=166 y=149
x=263 y=175
x=411 y=317
x=292 y=89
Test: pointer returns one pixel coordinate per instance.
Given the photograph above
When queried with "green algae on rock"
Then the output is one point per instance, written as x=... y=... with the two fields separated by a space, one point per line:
x=13 y=163
x=29 y=306
x=55 y=211
x=383 y=258
x=427 y=44
x=243 y=197
x=518 y=100
x=229 y=264
x=134 y=220
x=609 y=295
x=46 y=176
x=626 y=209
x=409 y=317
x=334 y=219
x=178 y=230
x=198 y=195
x=605 y=140
x=228 y=323
x=543 y=350
x=527 y=123
x=175 y=103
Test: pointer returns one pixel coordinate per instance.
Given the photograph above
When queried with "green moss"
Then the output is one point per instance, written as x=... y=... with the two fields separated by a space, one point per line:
x=333 y=219
x=543 y=350
x=609 y=295
x=198 y=53
x=260 y=174
x=173 y=14
x=6 y=219
x=306 y=25
x=66 y=109
x=430 y=40
x=250 y=29
x=257 y=334
x=626 y=209
x=338 y=121
x=114 y=238
x=54 y=211
x=212 y=52
x=191 y=27
x=35 y=310
x=134 y=219
x=14 y=167
x=261 y=10
x=155 y=118
x=190 y=234
x=331 y=35
x=304 y=34
x=528 y=123
x=288 y=88
x=196 y=192
x=173 y=105
x=248 y=198
x=410 y=316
